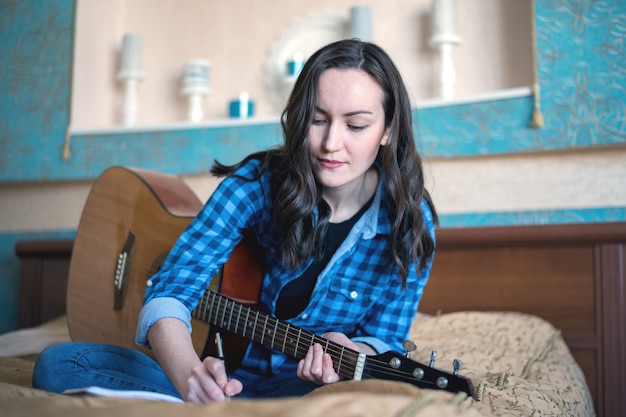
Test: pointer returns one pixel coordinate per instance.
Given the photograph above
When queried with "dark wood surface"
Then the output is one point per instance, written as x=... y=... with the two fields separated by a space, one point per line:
x=44 y=270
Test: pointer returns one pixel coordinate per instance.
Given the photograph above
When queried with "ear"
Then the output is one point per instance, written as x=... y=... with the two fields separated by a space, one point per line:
x=385 y=139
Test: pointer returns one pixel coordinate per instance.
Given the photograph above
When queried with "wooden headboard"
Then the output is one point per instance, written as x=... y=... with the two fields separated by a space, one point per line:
x=571 y=275
x=44 y=272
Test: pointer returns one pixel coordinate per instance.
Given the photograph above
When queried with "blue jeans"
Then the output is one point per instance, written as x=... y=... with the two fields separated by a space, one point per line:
x=84 y=364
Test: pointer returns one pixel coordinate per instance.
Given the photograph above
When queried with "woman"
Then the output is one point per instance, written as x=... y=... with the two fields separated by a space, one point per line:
x=347 y=230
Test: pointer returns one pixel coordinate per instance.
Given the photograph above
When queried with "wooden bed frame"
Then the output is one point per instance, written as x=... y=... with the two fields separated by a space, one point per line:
x=574 y=276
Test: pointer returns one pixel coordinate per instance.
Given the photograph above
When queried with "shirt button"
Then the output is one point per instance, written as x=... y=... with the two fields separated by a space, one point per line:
x=354 y=295
x=304 y=316
x=149 y=283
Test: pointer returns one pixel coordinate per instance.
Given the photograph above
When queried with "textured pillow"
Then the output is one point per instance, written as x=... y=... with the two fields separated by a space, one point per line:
x=519 y=364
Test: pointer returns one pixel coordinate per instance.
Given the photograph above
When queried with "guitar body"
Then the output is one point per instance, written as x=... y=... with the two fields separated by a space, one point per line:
x=130 y=221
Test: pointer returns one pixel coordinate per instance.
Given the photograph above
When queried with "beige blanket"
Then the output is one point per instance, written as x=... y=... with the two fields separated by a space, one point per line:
x=519 y=364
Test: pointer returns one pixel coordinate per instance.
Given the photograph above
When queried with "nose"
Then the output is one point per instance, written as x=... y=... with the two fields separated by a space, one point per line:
x=333 y=141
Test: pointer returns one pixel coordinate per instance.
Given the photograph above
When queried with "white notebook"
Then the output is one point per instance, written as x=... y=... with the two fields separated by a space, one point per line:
x=106 y=392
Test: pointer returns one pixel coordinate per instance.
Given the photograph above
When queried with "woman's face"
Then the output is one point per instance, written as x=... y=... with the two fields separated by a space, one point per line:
x=347 y=129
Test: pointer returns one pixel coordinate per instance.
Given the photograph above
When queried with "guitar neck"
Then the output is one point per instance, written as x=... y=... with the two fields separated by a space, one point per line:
x=243 y=321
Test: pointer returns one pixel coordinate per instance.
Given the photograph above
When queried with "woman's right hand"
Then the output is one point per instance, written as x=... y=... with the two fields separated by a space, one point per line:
x=197 y=381
x=209 y=382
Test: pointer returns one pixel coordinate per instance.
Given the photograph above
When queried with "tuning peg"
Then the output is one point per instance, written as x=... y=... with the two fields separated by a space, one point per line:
x=409 y=346
x=433 y=357
x=457 y=365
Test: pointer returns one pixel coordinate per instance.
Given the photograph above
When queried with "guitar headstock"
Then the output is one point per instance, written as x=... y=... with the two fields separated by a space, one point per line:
x=394 y=366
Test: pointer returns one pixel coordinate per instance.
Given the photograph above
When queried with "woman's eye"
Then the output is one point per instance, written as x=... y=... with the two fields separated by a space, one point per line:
x=356 y=128
x=317 y=122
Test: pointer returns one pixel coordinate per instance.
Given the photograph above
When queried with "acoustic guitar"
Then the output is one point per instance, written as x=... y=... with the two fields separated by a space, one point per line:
x=130 y=221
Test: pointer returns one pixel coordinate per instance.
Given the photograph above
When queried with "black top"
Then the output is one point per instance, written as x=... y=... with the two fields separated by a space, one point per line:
x=295 y=296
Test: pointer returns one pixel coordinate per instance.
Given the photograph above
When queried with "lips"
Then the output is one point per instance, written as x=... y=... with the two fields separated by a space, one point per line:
x=329 y=163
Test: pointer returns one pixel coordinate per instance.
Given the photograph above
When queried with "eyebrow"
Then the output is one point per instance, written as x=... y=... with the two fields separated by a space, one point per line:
x=352 y=113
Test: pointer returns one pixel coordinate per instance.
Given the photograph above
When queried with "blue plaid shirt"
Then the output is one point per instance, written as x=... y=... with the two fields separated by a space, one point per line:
x=358 y=293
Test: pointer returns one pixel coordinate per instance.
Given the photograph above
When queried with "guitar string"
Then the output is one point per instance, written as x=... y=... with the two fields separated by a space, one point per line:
x=283 y=330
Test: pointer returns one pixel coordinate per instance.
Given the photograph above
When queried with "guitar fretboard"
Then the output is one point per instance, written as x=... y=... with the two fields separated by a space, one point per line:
x=235 y=317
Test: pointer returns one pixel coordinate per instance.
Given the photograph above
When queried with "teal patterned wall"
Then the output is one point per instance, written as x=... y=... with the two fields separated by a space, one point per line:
x=581 y=66
x=36 y=38
x=581 y=58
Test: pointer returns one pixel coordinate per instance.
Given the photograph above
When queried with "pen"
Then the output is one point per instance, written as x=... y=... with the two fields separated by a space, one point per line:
x=219 y=346
x=220 y=352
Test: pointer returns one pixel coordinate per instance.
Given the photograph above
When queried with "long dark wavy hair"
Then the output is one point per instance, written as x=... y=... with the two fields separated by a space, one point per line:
x=297 y=194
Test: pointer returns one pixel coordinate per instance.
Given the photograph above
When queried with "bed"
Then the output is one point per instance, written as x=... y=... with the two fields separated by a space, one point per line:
x=535 y=313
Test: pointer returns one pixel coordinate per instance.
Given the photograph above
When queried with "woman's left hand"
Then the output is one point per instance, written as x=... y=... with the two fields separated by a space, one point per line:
x=317 y=366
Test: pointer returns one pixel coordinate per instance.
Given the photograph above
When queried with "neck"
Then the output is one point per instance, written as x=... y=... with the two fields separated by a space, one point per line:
x=346 y=201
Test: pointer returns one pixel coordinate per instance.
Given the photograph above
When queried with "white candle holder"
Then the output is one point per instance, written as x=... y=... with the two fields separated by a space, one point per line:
x=444 y=39
x=196 y=86
x=361 y=23
x=130 y=73
x=447 y=75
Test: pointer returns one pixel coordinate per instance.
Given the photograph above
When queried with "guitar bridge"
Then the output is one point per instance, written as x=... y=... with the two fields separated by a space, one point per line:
x=121 y=271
